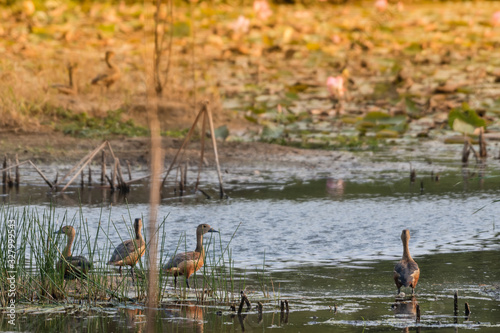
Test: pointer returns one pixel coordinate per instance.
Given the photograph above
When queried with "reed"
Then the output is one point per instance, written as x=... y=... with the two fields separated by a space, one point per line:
x=38 y=249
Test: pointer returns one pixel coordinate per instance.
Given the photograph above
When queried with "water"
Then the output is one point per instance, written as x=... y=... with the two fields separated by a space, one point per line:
x=323 y=240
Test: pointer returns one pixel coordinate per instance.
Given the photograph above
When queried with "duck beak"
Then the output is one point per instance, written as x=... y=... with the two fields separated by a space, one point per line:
x=59 y=231
x=212 y=230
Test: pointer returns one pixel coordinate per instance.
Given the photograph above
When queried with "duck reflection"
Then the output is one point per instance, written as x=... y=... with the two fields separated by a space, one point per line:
x=134 y=318
x=335 y=187
x=185 y=316
x=405 y=306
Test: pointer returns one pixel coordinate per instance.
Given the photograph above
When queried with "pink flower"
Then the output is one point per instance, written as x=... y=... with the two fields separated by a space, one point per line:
x=261 y=7
x=336 y=39
x=496 y=19
x=381 y=5
x=400 y=6
x=335 y=86
x=241 y=25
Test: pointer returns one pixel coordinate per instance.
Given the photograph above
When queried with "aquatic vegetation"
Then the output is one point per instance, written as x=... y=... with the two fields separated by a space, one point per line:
x=37 y=278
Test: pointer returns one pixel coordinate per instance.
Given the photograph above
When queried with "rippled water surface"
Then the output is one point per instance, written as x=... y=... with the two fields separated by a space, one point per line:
x=323 y=239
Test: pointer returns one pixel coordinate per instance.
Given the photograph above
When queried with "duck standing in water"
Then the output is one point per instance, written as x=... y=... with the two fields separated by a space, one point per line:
x=189 y=262
x=130 y=251
x=72 y=266
x=406 y=271
x=111 y=75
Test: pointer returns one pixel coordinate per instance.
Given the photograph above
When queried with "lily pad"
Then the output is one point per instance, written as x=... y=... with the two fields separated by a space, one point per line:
x=387 y=133
x=464 y=115
x=272 y=132
x=221 y=132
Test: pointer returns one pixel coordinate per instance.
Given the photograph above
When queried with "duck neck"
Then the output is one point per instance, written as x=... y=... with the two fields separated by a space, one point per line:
x=70 y=74
x=138 y=233
x=199 y=244
x=110 y=64
x=67 y=250
x=406 y=250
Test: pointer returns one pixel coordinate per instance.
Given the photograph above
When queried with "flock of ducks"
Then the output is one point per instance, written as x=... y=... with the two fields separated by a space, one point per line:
x=128 y=253
x=105 y=79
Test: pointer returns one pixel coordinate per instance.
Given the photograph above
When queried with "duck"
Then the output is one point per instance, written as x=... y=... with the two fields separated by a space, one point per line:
x=130 y=251
x=111 y=75
x=406 y=271
x=72 y=266
x=187 y=263
x=71 y=88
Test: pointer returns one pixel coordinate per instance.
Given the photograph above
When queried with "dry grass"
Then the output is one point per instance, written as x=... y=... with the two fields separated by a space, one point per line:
x=35 y=61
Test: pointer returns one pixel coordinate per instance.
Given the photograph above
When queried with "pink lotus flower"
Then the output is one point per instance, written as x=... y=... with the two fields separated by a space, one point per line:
x=335 y=86
x=241 y=25
x=381 y=5
x=495 y=20
x=400 y=6
x=261 y=7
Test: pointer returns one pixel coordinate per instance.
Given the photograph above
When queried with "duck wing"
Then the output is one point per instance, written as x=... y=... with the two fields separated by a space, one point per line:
x=181 y=257
x=122 y=251
x=406 y=272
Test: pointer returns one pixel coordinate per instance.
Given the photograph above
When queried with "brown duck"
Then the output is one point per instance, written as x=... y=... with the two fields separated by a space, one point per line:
x=72 y=266
x=111 y=75
x=406 y=271
x=189 y=262
x=71 y=88
x=130 y=251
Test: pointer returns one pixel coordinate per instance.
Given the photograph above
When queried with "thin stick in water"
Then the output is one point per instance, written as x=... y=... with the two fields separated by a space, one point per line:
x=455 y=303
x=103 y=167
x=214 y=143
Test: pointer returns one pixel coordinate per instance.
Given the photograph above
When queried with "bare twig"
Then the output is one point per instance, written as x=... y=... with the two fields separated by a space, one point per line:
x=202 y=149
x=214 y=142
x=42 y=175
x=188 y=136
x=89 y=159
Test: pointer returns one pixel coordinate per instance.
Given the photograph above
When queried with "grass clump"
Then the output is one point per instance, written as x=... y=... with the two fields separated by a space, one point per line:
x=38 y=248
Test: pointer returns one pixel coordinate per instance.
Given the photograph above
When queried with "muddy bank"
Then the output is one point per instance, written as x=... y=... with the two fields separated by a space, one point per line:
x=56 y=148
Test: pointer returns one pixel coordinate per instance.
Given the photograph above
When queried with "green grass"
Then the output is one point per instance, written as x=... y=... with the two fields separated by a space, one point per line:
x=38 y=249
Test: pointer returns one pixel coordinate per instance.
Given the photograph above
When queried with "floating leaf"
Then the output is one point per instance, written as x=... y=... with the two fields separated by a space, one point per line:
x=272 y=132
x=181 y=29
x=313 y=46
x=251 y=119
x=462 y=126
x=107 y=27
x=221 y=132
x=387 y=133
x=466 y=115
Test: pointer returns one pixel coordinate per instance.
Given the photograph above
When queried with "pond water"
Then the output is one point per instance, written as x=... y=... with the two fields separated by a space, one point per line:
x=321 y=240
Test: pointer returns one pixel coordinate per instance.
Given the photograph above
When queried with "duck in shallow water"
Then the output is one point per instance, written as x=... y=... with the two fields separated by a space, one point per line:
x=406 y=271
x=72 y=266
x=130 y=251
x=187 y=263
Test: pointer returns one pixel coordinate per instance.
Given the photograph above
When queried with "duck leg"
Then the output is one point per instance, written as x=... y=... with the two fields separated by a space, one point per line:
x=175 y=281
x=187 y=283
x=133 y=276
